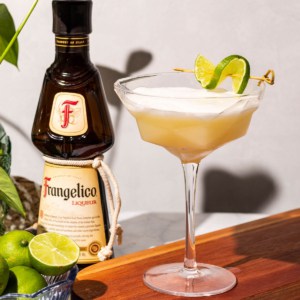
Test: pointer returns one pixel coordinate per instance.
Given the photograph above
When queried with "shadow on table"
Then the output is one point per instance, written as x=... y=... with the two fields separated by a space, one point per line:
x=277 y=241
x=227 y=192
x=152 y=229
x=92 y=289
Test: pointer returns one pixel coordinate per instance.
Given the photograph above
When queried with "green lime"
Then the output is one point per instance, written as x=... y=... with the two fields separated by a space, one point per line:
x=52 y=253
x=24 y=280
x=234 y=66
x=204 y=70
x=14 y=247
x=4 y=274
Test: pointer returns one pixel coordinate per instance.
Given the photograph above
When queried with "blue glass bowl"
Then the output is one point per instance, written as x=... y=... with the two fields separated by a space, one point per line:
x=59 y=288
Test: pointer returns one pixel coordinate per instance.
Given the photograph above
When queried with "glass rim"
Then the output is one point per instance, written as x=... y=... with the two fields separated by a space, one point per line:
x=49 y=288
x=120 y=85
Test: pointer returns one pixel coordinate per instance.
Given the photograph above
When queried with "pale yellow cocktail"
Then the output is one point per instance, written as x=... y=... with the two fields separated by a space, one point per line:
x=191 y=128
x=189 y=138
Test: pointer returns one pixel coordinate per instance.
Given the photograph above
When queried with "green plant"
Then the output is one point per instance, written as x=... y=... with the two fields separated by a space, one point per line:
x=9 y=51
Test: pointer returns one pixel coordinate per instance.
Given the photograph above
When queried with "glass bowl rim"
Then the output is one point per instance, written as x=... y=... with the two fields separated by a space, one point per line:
x=70 y=279
x=119 y=85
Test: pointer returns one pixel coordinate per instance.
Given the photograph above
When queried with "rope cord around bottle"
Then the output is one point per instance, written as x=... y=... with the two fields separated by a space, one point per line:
x=114 y=206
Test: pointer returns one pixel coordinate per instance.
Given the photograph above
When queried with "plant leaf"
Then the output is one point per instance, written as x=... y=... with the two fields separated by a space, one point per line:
x=7 y=31
x=3 y=212
x=9 y=194
x=5 y=150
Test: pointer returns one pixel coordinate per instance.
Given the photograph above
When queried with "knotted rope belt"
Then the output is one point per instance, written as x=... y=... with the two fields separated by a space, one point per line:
x=114 y=199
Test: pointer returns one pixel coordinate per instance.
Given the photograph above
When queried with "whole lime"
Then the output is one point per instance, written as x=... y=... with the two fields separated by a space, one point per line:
x=24 y=280
x=4 y=274
x=14 y=247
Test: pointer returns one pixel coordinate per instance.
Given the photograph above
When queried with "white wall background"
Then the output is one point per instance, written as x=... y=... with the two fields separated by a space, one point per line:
x=258 y=173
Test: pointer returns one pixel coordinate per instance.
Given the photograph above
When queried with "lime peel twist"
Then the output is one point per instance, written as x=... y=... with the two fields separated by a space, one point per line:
x=234 y=66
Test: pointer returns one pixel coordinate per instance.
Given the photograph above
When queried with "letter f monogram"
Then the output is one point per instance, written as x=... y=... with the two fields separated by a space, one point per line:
x=67 y=111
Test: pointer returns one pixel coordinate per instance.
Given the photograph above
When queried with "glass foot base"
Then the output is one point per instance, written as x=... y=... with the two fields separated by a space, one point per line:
x=173 y=279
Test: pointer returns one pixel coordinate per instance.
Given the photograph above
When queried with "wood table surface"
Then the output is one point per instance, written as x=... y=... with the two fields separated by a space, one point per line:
x=264 y=255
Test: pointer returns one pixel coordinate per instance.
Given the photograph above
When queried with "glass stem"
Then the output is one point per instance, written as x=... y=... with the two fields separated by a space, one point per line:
x=190 y=178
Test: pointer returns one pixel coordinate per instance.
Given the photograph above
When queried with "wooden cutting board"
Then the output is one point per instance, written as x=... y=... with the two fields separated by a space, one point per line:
x=263 y=254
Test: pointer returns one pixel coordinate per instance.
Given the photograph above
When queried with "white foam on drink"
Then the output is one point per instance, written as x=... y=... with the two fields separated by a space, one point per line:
x=188 y=100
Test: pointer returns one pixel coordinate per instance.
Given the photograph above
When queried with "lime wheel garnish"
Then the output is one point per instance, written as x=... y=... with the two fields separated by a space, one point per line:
x=234 y=66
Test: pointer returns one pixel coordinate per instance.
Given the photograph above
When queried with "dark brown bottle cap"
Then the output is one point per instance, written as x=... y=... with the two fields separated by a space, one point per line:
x=72 y=17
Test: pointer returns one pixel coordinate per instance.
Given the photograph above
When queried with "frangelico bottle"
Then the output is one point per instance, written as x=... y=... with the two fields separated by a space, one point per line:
x=72 y=122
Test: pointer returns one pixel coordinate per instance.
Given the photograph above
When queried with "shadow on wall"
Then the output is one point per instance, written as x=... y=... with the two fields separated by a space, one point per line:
x=8 y=123
x=225 y=192
x=136 y=61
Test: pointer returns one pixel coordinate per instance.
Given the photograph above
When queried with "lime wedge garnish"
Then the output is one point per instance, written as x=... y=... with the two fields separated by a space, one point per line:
x=52 y=253
x=204 y=70
x=234 y=66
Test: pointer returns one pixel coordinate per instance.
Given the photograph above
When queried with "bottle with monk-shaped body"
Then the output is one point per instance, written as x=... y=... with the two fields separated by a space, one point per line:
x=72 y=123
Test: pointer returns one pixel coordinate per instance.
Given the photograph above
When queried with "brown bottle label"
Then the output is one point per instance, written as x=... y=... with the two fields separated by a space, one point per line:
x=68 y=114
x=71 y=205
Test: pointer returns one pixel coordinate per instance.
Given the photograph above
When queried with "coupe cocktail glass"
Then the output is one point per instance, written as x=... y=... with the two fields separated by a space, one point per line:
x=173 y=111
